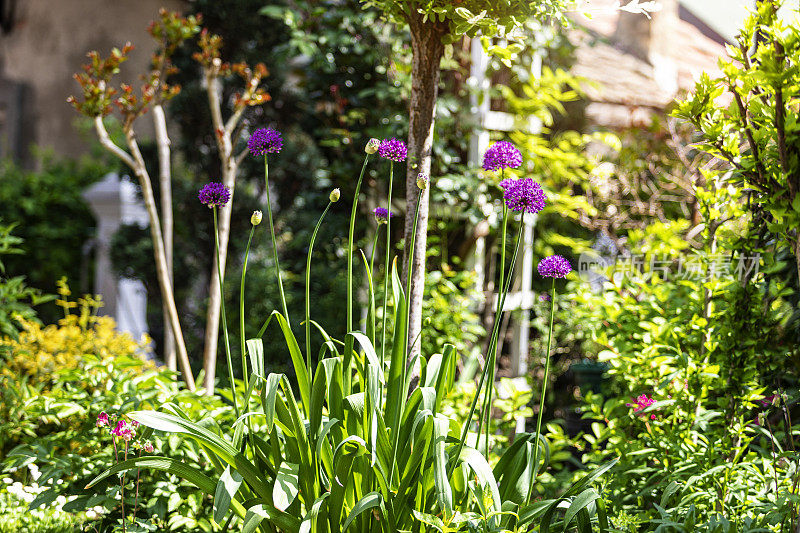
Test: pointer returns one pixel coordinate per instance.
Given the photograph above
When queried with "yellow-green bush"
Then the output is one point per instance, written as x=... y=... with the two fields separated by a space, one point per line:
x=41 y=351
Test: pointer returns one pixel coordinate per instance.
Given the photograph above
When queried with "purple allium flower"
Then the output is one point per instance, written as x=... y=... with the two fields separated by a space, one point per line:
x=524 y=195
x=102 y=419
x=393 y=149
x=641 y=403
x=554 y=266
x=382 y=214
x=506 y=183
x=544 y=297
x=214 y=194
x=501 y=154
x=265 y=141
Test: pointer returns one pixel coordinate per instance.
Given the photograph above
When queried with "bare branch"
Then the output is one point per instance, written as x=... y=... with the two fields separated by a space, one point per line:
x=109 y=145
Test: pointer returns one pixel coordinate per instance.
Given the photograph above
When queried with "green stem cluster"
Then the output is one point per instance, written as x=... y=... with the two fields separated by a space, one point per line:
x=274 y=243
x=308 y=289
x=544 y=390
x=350 y=247
x=224 y=318
x=490 y=357
x=386 y=265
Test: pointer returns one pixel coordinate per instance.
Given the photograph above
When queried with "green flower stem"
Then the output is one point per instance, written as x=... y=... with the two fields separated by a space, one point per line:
x=241 y=310
x=544 y=390
x=371 y=273
x=399 y=407
x=487 y=407
x=350 y=248
x=274 y=243
x=308 y=290
x=409 y=272
x=224 y=319
x=387 y=266
x=489 y=358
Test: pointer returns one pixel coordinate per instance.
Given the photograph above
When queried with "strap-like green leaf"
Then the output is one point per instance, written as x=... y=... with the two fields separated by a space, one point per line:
x=255 y=351
x=579 y=503
x=286 y=486
x=298 y=361
x=227 y=487
x=369 y=501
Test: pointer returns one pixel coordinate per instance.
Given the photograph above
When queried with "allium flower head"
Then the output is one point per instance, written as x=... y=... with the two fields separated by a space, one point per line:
x=372 y=145
x=265 y=141
x=506 y=183
x=335 y=195
x=554 y=266
x=102 y=419
x=524 y=195
x=214 y=194
x=641 y=403
x=544 y=297
x=393 y=149
x=255 y=218
x=501 y=154
x=148 y=447
x=422 y=181
x=382 y=215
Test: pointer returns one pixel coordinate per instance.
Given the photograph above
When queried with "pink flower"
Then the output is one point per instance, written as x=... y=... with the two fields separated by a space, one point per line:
x=148 y=447
x=642 y=403
x=124 y=430
x=102 y=420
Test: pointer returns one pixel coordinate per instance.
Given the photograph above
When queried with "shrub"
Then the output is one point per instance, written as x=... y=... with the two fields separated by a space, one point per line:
x=49 y=415
x=16 y=298
x=40 y=352
x=691 y=362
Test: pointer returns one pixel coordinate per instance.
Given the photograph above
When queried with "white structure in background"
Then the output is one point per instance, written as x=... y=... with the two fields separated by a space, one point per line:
x=114 y=202
x=521 y=296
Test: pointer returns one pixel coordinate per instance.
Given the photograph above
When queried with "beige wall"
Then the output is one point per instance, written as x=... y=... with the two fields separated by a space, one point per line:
x=49 y=42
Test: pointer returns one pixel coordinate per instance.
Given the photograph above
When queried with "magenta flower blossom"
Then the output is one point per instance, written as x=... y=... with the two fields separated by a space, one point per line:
x=124 y=430
x=102 y=419
x=393 y=149
x=214 y=194
x=501 y=154
x=524 y=195
x=382 y=214
x=148 y=447
x=265 y=141
x=506 y=183
x=641 y=403
x=554 y=266
x=544 y=297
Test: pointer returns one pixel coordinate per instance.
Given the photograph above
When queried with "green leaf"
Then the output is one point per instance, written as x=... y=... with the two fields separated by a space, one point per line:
x=444 y=494
x=268 y=395
x=579 y=503
x=369 y=501
x=298 y=361
x=255 y=351
x=286 y=486
x=227 y=487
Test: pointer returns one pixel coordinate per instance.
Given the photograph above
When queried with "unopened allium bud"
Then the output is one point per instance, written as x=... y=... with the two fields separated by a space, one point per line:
x=255 y=218
x=372 y=145
x=422 y=181
x=335 y=195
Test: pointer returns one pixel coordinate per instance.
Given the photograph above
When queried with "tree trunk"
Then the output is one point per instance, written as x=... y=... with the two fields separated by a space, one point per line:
x=165 y=182
x=136 y=163
x=427 y=54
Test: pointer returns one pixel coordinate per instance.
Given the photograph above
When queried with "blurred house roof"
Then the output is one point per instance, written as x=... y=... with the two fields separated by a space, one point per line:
x=636 y=66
